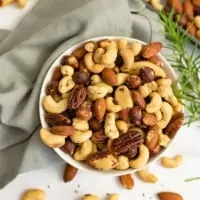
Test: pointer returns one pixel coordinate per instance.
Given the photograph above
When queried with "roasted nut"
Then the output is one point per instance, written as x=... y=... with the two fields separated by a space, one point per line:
x=77 y=97
x=63 y=130
x=121 y=78
x=84 y=113
x=156 y=60
x=71 y=61
x=122 y=43
x=172 y=162
x=155 y=103
x=80 y=125
x=127 y=181
x=151 y=49
x=188 y=9
x=124 y=115
x=95 y=79
x=109 y=77
x=56 y=74
x=123 y=97
x=97 y=55
x=126 y=142
x=197 y=21
x=169 y=196
x=156 y=150
x=138 y=99
x=176 y=5
x=111 y=107
x=67 y=70
x=90 y=46
x=81 y=77
x=55 y=119
x=99 y=137
x=123 y=163
x=79 y=52
x=136 y=47
x=51 y=140
x=90 y=197
x=122 y=126
x=131 y=154
x=65 y=84
x=99 y=109
x=191 y=28
x=68 y=147
x=34 y=194
x=133 y=82
x=164 y=140
x=95 y=125
x=102 y=161
x=146 y=176
x=152 y=137
x=113 y=197
x=128 y=59
x=81 y=136
x=146 y=89
x=135 y=115
x=69 y=173
x=52 y=88
x=149 y=119
x=147 y=74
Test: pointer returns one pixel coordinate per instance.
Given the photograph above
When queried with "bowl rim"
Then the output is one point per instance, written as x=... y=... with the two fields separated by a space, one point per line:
x=67 y=158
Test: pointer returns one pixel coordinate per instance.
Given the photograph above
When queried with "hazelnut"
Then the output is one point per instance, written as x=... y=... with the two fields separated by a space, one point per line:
x=147 y=74
x=95 y=125
x=135 y=115
x=84 y=113
x=81 y=77
x=133 y=82
x=149 y=119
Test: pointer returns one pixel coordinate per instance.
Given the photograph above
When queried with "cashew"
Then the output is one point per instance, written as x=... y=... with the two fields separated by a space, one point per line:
x=172 y=162
x=84 y=151
x=95 y=79
x=34 y=194
x=164 y=81
x=122 y=126
x=167 y=112
x=128 y=59
x=121 y=78
x=91 y=66
x=157 y=4
x=164 y=140
x=122 y=43
x=197 y=21
x=146 y=89
x=123 y=97
x=80 y=136
x=155 y=104
x=67 y=70
x=109 y=88
x=51 y=106
x=109 y=57
x=90 y=197
x=158 y=115
x=136 y=47
x=116 y=70
x=21 y=3
x=51 y=140
x=146 y=176
x=98 y=54
x=110 y=127
x=113 y=197
x=90 y=46
x=142 y=158
x=80 y=125
x=123 y=163
x=110 y=106
x=105 y=43
x=159 y=72
x=174 y=102
x=66 y=84
x=97 y=91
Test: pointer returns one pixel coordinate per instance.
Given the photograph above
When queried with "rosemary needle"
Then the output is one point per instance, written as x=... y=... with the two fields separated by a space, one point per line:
x=192 y=179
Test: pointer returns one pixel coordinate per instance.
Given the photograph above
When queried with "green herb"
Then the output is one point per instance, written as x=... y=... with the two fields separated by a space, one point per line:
x=187 y=64
x=192 y=179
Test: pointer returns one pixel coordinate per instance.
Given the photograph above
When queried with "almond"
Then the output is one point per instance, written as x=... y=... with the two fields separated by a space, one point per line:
x=192 y=29
x=176 y=5
x=99 y=109
x=124 y=114
x=69 y=173
x=169 y=196
x=63 y=130
x=109 y=77
x=57 y=75
x=152 y=137
x=188 y=9
x=149 y=119
x=138 y=99
x=151 y=49
x=156 y=60
x=127 y=181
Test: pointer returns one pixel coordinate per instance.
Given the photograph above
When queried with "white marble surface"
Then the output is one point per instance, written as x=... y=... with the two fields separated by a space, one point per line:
x=50 y=179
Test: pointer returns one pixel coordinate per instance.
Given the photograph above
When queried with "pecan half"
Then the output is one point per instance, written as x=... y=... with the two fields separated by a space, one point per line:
x=54 y=119
x=99 y=137
x=77 y=97
x=127 y=142
x=174 y=125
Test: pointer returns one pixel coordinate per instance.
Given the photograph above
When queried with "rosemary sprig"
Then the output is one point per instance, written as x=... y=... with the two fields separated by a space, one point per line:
x=192 y=179
x=187 y=64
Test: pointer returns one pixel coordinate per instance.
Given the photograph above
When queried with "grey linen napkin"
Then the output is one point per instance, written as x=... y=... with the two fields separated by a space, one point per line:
x=25 y=56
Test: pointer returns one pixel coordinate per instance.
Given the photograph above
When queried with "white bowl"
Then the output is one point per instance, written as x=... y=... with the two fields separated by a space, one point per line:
x=67 y=158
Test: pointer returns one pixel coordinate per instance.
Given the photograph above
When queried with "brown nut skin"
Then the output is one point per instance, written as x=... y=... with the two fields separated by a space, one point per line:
x=57 y=75
x=135 y=115
x=81 y=77
x=176 y=5
x=54 y=119
x=138 y=100
x=131 y=154
x=109 y=77
x=63 y=130
x=79 y=53
x=127 y=181
x=52 y=88
x=99 y=137
x=149 y=119
x=192 y=29
x=84 y=113
x=95 y=125
x=152 y=137
x=147 y=74
x=188 y=9
x=133 y=82
x=124 y=114
x=69 y=147
x=169 y=196
x=155 y=150
x=156 y=60
x=151 y=49
x=99 y=109
x=69 y=173
x=70 y=60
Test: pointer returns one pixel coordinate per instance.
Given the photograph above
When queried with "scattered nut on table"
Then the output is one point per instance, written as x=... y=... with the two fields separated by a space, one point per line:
x=34 y=194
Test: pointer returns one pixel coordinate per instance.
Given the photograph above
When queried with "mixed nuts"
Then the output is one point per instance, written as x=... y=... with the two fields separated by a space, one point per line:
x=110 y=105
